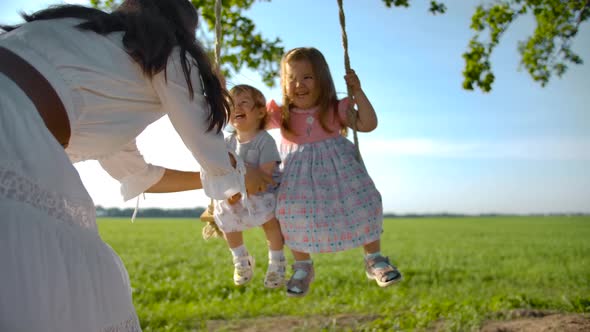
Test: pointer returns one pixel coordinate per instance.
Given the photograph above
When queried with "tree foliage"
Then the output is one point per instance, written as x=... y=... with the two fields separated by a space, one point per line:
x=435 y=7
x=545 y=53
x=242 y=46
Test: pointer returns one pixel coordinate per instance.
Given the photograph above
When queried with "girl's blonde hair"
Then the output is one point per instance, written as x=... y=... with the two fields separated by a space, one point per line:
x=257 y=96
x=327 y=100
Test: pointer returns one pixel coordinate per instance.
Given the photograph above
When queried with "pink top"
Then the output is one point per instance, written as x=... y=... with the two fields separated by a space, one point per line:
x=305 y=124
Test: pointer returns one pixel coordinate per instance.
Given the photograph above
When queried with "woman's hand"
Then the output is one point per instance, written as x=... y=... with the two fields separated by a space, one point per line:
x=257 y=180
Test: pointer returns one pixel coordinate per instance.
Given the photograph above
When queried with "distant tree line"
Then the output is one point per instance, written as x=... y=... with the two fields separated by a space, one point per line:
x=460 y=215
x=196 y=213
x=149 y=212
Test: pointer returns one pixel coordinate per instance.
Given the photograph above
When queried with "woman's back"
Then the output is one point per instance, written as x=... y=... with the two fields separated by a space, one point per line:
x=108 y=99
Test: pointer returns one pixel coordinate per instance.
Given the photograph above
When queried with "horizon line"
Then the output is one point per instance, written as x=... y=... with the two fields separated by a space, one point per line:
x=446 y=213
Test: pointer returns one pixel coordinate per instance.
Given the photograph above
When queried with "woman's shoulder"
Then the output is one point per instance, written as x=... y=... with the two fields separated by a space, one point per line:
x=48 y=33
x=175 y=58
x=62 y=22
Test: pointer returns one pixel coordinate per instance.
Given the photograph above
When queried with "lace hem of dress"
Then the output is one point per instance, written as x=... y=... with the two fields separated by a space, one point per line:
x=129 y=325
x=22 y=189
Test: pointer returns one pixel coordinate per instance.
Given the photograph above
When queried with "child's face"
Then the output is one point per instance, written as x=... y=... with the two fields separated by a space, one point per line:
x=301 y=84
x=246 y=116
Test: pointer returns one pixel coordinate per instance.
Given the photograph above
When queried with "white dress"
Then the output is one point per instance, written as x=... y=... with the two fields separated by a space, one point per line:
x=253 y=210
x=56 y=273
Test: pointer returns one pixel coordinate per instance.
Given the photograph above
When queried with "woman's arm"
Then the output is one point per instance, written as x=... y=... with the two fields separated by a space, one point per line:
x=136 y=175
x=175 y=180
x=190 y=118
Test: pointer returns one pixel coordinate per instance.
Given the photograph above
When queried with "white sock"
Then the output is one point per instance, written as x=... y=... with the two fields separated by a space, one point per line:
x=240 y=251
x=276 y=255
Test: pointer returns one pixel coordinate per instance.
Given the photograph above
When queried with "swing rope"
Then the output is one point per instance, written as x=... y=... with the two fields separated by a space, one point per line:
x=218 y=36
x=211 y=230
x=352 y=114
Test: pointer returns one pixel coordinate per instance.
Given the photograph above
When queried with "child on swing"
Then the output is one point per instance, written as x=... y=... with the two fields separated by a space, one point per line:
x=326 y=201
x=257 y=149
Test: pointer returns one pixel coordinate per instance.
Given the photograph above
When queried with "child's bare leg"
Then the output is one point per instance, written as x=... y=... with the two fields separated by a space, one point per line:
x=234 y=239
x=275 y=274
x=301 y=256
x=373 y=247
x=274 y=237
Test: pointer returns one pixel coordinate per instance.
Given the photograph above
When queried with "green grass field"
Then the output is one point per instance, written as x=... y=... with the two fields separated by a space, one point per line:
x=458 y=271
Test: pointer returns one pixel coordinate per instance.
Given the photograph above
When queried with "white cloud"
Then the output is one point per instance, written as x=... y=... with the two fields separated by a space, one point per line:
x=521 y=149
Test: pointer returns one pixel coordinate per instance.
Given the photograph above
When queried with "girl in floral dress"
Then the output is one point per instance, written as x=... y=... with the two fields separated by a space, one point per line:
x=326 y=201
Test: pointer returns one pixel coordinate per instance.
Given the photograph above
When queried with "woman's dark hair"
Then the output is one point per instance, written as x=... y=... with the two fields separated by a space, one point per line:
x=150 y=34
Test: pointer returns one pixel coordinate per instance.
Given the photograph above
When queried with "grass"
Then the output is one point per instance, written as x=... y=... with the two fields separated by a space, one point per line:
x=456 y=270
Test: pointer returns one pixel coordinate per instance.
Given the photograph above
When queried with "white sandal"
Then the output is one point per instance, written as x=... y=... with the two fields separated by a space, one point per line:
x=275 y=274
x=243 y=269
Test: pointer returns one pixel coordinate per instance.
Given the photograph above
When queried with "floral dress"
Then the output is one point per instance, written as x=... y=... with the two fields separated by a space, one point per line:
x=326 y=201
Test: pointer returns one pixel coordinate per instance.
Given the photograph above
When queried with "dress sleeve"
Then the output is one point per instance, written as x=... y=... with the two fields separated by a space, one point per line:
x=274 y=115
x=342 y=108
x=130 y=168
x=189 y=118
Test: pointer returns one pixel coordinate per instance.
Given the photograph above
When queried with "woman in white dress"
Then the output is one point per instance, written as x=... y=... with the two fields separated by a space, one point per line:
x=92 y=81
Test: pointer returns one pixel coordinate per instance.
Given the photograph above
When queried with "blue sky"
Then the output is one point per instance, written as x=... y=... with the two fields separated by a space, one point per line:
x=438 y=148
